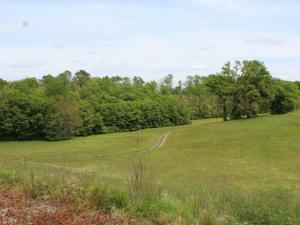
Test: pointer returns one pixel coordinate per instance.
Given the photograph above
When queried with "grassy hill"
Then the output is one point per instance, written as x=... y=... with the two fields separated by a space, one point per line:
x=256 y=154
x=261 y=151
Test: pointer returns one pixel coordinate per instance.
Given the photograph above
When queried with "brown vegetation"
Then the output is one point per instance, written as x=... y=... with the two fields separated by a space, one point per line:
x=16 y=209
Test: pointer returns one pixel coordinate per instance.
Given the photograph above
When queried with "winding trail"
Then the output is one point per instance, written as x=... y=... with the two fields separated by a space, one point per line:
x=160 y=142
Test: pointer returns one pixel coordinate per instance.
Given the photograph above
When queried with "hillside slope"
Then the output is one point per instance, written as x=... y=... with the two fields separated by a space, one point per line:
x=264 y=151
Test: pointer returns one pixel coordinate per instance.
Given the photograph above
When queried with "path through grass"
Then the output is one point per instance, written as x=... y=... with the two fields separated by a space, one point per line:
x=264 y=151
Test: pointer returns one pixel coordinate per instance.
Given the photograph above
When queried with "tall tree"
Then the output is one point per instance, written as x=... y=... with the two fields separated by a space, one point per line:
x=57 y=86
x=255 y=73
x=81 y=78
x=166 y=86
x=63 y=120
x=287 y=96
x=3 y=83
x=223 y=86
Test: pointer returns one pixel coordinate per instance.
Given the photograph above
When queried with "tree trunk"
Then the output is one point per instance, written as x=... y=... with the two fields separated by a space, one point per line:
x=225 y=116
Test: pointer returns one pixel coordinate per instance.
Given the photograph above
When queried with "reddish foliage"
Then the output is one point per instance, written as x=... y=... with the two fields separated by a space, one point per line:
x=15 y=209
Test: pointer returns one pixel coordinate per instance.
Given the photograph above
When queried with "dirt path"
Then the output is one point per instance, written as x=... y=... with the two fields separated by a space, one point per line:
x=160 y=142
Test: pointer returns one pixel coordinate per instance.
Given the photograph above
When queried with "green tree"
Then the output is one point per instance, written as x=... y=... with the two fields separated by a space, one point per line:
x=22 y=115
x=3 y=83
x=63 y=120
x=81 y=78
x=286 y=98
x=202 y=103
x=166 y=86
x=223 y=85
x=57 y=86
x=138 y=80
x=256 y=74
x=28 y=85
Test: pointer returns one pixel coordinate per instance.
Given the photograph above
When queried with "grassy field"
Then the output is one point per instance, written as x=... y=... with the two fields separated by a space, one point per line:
x=264 y=151
x=255 y=154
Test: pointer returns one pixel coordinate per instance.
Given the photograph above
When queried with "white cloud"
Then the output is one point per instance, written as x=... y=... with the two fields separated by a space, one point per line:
x=198 y=67
x=272 y=41
x=222 y=4
x=150 y=56
x=29 y=65
x=9 y=26
x=247 y=7
x=98 y=6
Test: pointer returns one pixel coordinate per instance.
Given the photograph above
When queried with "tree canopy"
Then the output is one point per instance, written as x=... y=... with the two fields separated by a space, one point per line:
x=60 y=107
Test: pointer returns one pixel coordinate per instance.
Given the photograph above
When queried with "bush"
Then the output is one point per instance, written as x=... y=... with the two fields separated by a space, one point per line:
x=286 y=97
x=9 y=178
x=152 y=208
x=130 y=116
x=104 y=199
x=271 y=207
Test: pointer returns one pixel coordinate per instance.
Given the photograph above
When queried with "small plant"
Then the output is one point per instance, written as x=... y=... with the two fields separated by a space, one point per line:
x=30 y=185
x=137 y=179
x=9 y=178
x=104 y=199
x=208 y=218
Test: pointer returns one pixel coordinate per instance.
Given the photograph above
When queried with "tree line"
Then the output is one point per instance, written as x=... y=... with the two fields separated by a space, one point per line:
x=239 y=90
x=60 y=107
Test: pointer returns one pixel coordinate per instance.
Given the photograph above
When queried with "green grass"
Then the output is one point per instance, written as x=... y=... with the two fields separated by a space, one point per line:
x=250 y=153
x=209 y=159
x=258 y=152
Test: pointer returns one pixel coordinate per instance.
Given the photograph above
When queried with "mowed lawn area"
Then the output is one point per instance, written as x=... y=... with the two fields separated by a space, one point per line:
x=259 y=152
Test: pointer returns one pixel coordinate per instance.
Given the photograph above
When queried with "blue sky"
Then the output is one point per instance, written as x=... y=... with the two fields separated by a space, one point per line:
x=147 y=38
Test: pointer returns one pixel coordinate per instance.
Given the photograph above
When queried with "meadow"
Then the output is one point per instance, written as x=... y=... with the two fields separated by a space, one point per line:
x=220 y=162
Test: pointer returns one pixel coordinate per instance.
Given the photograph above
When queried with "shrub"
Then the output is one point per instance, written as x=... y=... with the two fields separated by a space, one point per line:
x=104 y=199
x=9 y=178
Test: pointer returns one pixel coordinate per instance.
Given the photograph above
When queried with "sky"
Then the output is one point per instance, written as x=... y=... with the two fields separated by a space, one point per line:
x=147 y=38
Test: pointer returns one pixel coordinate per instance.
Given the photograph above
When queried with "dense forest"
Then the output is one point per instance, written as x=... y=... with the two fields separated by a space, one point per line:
x=60 y=107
